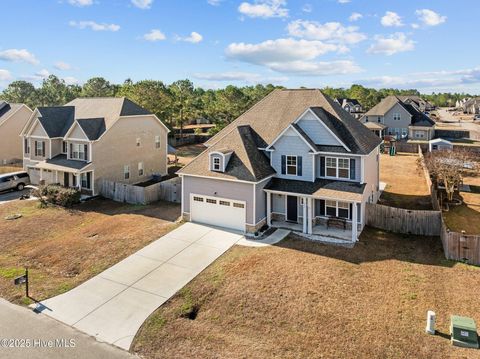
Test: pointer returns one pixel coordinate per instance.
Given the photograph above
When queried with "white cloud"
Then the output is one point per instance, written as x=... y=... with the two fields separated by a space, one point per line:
x=415 y=26
x=390 y=45
x=292 y=56
x=80 y=3
x=391 y=19
x=264 y=8
x=94 y=26
x=430 y=17
x=343 y=1
x=42 y=74
x=154 y=35
x=330 y=31
x=214 y=2
x=18 y=55
x=63 y=66
x=308 y=8
x=355 y=16
x=5 y=75
x=194 y=38
x=238 y=76
x=142 y=4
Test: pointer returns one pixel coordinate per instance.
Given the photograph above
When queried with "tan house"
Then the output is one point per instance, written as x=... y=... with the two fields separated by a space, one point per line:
x=13 y=117
x=91 y=139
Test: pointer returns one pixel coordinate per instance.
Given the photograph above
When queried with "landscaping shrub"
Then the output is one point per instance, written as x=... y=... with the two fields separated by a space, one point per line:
x=58 y=195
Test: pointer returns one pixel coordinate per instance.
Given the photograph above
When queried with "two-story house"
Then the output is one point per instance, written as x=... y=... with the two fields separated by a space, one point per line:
x=295 y=158
x=13 y=116
x=352 y=106
x=91 y=139
x=399 y=119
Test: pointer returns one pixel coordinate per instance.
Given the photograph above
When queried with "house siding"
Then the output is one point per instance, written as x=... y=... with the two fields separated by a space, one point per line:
x=219 y=188
x=56 y=147
x=77 y=133
x=372 y=175
x=278 y=203
x=316 y=130
x=117 y=147
x=261 y=201
x=291 y=144
x=405 y=118
x=11 y=144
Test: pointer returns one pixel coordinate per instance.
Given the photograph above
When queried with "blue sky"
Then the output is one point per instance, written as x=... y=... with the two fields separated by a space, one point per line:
x=426 y=44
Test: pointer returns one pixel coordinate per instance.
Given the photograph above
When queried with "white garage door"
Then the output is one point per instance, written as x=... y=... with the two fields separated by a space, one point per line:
x=34 y=174
x=219 y=212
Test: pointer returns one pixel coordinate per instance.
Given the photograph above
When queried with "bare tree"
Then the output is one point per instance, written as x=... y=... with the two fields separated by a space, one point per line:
x=447 y=168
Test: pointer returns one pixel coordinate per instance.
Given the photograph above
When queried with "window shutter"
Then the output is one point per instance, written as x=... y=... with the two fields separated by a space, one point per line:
x=322 y=206
x=89 y=178
x=352 y=169
x=71 y=150
x=322 y=166
x=359 y=212
x=299 y=165
x=350 y=211
x=43 y=148
x=36 y=151
x=284 y=164
x=86 y=152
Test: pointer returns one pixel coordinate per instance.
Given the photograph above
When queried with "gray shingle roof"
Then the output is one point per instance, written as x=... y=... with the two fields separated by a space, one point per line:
x=418 y=118
x=61 y=160
x=265 y=122
x=56 y=120
x=93 y=127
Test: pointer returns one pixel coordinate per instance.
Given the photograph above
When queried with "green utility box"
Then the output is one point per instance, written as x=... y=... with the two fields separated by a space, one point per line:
x=464 y=332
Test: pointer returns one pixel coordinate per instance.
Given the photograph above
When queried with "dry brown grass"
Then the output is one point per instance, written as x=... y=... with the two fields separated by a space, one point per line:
x=406 y=184
x=63 y=248
x=8 y=169
x=307 y=300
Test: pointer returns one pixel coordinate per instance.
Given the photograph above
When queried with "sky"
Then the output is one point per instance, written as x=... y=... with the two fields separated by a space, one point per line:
x=423 y=44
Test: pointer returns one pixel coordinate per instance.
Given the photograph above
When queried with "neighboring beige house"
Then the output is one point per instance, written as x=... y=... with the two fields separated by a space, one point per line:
x=91 y=139
x=296 y=159
x=401 y=120
x=13 y=117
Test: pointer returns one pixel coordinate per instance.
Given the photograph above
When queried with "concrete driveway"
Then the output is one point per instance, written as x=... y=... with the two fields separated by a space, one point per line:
x=113 y=305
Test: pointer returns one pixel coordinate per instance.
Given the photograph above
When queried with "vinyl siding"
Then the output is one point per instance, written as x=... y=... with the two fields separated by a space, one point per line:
x=77 y=133
x=317 y=131
x=56 y=147
x=405 y=117
x=371 y=174
x=278 y=203
x=291 y=144
x=38 y=131
x=218 y=188
x=11 y=144
x=260 y=201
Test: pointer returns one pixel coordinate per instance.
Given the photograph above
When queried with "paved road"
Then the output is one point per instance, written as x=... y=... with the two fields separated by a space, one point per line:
x=21 y=323
x=113 y=305
x=473 y=127
x=7 y=196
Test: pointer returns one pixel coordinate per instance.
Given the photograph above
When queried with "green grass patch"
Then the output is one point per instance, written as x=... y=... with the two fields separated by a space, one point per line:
x=11 y=272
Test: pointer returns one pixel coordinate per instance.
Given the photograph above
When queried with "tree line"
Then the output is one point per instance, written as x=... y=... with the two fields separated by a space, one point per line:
x=177 y=103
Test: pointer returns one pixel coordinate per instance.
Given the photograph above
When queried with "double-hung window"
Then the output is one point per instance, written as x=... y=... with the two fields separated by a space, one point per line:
x=157 y=141
x=396 y=117
x=27 y=146
x=78 y=151
x=216 y=163
x=343 y=209
x=126 y=172
x=64 y=146
x=331 y=208
x=331 y=167
x=40 y=148
x=292 y=165
x=85 y=180
x=337 y=209
x=140 y=169
x=344 y=168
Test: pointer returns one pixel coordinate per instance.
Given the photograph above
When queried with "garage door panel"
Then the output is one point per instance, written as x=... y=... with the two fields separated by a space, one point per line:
x=221 y=212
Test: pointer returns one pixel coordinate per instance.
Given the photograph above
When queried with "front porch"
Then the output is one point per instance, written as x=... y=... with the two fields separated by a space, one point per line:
x=317 y=210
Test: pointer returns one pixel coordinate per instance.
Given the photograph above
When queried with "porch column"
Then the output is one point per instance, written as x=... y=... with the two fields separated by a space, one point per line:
x=269 y=209
x=56 y=176
x=354 y=222
x=79 y=184
x=305 y=218
x=310 y=216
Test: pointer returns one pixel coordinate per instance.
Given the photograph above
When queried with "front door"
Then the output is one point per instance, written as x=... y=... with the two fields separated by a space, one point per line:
x=292 y=209
x=66 y=178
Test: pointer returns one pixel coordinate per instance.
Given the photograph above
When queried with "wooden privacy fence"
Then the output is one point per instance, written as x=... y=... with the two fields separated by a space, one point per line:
x=170 y=190
x=405 y=221
x=460 y=247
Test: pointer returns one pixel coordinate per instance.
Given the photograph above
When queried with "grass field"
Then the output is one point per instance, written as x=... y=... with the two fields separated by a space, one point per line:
x=301 y=299
x=8 y=169
x=406 y=184
x=62 y=248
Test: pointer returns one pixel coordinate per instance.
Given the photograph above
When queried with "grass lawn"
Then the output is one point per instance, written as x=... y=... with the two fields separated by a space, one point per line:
x=466 y=217
x=406 y=184
x=63 y=248
x=301 y=299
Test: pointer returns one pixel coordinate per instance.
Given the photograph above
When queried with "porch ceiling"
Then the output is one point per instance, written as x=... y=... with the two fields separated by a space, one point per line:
x=321 y=188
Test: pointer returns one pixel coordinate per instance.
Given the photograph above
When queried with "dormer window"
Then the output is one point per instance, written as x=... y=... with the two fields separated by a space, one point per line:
x=216 y=163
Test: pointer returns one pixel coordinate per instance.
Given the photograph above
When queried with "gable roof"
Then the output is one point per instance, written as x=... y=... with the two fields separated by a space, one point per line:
x=94 y=115
x=418 y=117
x=381 y=108
x=247 y=162
x=266 y=120
x=345 y=101
x=8 y=109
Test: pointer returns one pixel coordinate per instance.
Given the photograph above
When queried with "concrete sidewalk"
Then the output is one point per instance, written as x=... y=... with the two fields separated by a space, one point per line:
x=38 y=331
x=113 y=305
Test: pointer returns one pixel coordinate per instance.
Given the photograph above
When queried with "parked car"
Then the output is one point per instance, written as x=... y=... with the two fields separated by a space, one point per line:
x=16 y=180
x=476 y=118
